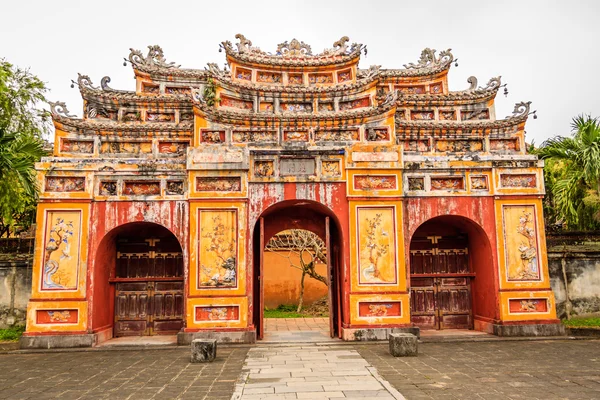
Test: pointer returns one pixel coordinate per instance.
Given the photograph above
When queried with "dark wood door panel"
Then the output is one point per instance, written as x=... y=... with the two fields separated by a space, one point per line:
x=440 y=300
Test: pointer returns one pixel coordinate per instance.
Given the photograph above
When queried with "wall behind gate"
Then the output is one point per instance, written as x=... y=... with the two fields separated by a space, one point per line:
x=574 y=264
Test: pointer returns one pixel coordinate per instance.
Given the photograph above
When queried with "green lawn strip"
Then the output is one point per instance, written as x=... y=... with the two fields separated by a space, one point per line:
x=11 y=334
x=593 y=322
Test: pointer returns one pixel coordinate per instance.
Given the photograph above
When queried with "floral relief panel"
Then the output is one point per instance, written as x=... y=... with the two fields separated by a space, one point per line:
x=521 y=246
x=62 y=240
x=217 y=249
x=376 y=245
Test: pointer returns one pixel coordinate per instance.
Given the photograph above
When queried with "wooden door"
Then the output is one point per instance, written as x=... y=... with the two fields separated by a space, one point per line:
x=440 y=283
x=149 y=288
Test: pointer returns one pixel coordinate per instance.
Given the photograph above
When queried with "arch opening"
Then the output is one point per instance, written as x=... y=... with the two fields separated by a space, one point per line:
x=451 y=274
x=300 y=215
x=139 y=281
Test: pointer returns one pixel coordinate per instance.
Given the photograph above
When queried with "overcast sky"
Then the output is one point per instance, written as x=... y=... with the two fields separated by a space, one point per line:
x=547 y=51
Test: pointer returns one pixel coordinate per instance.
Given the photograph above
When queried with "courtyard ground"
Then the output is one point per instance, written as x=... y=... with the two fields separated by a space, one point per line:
x=553 y=369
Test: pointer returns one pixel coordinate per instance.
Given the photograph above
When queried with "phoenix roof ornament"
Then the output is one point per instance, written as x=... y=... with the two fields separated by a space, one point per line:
x=59 y=109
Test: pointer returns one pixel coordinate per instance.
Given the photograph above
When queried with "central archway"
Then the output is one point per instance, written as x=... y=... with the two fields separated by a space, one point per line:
x=307 y=215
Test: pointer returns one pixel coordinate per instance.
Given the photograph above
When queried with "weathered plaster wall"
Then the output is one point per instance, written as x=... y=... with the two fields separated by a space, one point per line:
x=15 y=290
x=575 y=257
x=282 y=282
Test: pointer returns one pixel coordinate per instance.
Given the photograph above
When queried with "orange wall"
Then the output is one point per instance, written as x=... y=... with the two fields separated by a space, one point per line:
x=282 y=282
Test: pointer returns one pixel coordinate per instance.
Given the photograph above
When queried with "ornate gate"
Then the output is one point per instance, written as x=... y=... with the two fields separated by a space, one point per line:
x=149 y=287
x=440 y=283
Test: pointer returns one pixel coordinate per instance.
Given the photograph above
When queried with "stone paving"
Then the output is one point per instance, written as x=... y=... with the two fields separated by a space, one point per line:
x=554 y=369
x=310 y=372
x=499 y=369
x=120 y=374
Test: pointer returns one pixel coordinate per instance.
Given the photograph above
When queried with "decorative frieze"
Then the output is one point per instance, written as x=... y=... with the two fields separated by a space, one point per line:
x=458 y=146
x=175 y=188
x=217 y=313
x=142 y=188
x=416 y=183
x=227 y=101
x=447 y=183
x=320 y=79
x=56 y=316
x=422 y=115
x=264 y=169
x=160 y=117
x=207 y=136
x=479 y=182
x=243 y=74
x=218 y=184
x=295 y=136
x=108 y=188
x=524 y=306
x=126 y=147
x=344 y=76
x=504 y=145
x=76 y=146
x=254 y=136
x=268 y=77
x=379 y=309
x=518 y=180
x=175 y=148
x=65 y=184
x=377 y=134
x=375 y=182
x=474 y=115
x=331 y=169
x=354 y=104
x=296 y=107
x=347 y=135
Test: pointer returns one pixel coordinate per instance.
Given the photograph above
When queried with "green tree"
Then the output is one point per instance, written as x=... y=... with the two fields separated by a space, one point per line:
x=22 y=126
x=572 y=175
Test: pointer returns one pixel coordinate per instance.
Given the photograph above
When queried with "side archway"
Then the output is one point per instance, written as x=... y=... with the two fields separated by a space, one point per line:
x=138 y=281
x=452 y=277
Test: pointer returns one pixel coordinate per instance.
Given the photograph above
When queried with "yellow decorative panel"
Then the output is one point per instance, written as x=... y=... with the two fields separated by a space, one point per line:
x=60 y=263
x=519 y=181
x=377 y=246
x=57 y=316
x=523 y=305
x=379 y=309
x=521 y=244
x=223 y=312
x=217 y=249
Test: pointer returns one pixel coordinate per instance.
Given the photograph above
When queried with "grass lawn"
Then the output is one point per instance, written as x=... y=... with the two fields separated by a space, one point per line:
x=591 y=322
x=283 y=311
x=11 y=334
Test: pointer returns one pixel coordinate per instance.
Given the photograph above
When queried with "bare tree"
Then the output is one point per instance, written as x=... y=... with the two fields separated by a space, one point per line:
x=309 y=249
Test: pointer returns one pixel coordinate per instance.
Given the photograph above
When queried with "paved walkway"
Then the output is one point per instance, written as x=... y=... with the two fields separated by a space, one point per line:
x=296 y=330
x=310 y=372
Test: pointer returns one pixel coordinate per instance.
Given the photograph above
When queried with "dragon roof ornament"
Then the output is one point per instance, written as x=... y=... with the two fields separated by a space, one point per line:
x=429 y=59
x=85 y=84
x=59 y=109
x=154 y=58
x=294 y=52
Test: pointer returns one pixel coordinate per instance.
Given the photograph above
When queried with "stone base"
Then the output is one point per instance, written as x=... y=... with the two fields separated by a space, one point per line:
x=530 y=330
x=372 y=334
x=185 y=338
x=204 y=350
x=57 y=341
x=403 y=345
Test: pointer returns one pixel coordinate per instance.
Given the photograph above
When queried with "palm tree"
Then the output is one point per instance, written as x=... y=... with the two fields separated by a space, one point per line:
x=22 y=125
x=573 y=174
